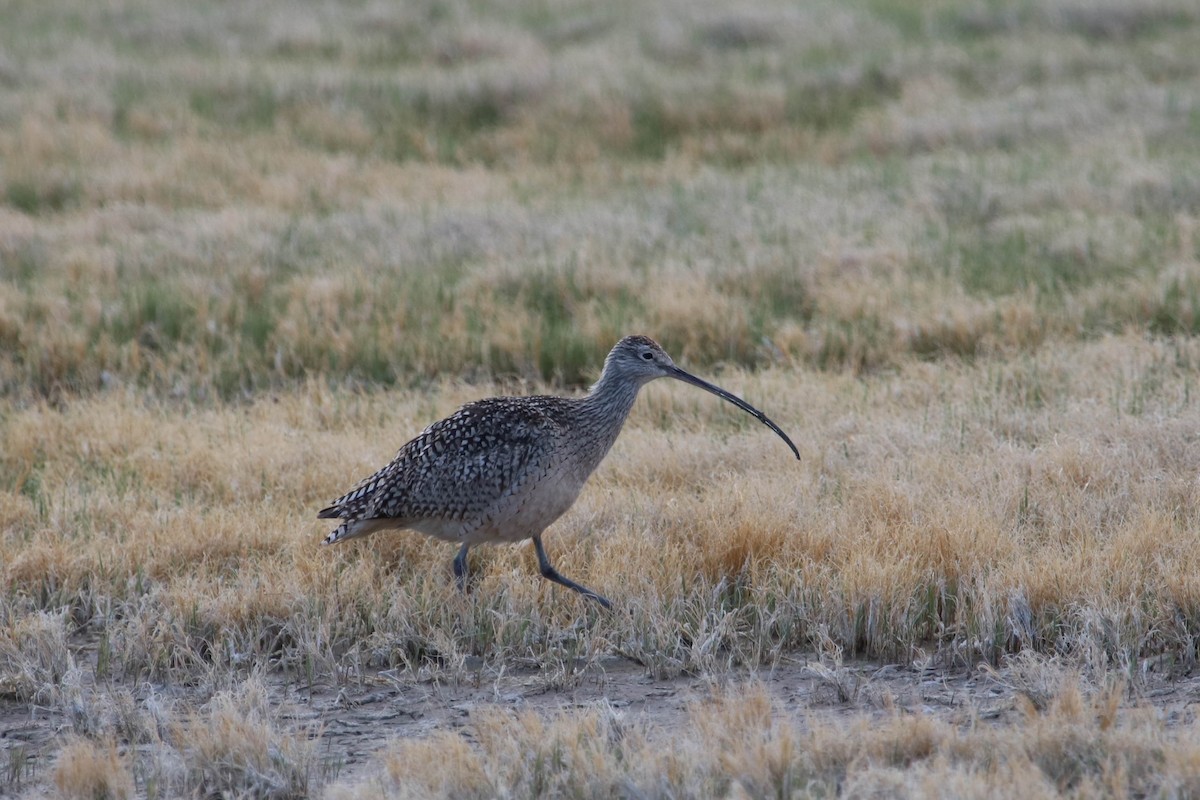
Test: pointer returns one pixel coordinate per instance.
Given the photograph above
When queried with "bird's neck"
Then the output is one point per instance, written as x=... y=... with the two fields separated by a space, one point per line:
x=606 y=405
x=612 y=395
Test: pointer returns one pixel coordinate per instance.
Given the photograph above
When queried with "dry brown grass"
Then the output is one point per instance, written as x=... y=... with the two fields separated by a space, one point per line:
x=943 y=511
x=90 y=772
x=930 y=505
x=246 y=252
x=740 y=744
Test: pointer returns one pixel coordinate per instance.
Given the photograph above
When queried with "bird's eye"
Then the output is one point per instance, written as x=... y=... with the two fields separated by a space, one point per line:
x=648 y=355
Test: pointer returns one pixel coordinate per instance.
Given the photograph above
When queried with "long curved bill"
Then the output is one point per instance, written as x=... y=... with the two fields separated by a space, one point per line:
x=688 y=377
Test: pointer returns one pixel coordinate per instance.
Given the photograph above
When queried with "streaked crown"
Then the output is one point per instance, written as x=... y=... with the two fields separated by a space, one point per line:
x=639 y=357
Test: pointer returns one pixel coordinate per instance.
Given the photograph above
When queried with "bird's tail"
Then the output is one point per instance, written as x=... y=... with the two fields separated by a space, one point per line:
x=338 y=534
x=342 y=531
x=351 y=528
x=356 y=511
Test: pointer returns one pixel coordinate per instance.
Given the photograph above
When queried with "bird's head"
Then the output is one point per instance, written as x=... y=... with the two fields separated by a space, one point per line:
x=641 y=359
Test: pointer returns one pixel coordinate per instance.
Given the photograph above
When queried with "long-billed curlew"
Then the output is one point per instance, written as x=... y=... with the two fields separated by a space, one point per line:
x=504 y=468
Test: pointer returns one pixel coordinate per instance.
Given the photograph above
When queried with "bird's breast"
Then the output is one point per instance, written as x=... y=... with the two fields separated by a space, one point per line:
x=530 y=510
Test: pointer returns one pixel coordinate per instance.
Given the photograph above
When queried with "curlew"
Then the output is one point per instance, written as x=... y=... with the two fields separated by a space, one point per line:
x=504 y=468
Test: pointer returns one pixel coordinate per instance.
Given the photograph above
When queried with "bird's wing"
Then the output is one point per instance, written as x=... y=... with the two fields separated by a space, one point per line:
x=457 y=467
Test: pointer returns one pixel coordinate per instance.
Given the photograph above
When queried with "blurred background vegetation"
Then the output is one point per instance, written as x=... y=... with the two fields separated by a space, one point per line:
x=208 y=199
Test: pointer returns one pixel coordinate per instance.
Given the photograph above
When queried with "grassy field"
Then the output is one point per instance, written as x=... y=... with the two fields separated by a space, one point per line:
x=953 y=248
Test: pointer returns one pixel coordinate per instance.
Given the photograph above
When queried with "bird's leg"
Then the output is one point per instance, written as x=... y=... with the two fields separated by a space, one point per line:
x=460 y=568
x=550 y=573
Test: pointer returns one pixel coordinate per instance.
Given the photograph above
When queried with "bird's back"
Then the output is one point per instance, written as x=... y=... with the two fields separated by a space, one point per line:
x=463 y=471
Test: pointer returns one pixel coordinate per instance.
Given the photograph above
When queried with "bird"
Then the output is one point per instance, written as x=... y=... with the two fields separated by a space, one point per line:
x=502 y=469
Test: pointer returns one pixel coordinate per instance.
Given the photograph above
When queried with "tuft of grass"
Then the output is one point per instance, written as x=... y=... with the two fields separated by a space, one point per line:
x=34 y=656
x=234 y=747
x=1177 y=309
x=248 y=106
x=158 y=316
x=835 y=101
x=88 y=771
x=46 y=196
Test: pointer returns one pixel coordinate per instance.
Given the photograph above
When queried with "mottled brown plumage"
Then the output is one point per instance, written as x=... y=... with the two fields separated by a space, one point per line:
x=504 y=468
